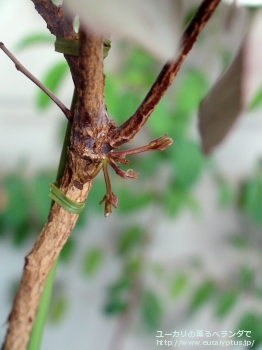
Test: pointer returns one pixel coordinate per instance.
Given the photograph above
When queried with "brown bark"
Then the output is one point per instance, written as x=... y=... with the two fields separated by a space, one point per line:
x=75 y=184
x=37 y=266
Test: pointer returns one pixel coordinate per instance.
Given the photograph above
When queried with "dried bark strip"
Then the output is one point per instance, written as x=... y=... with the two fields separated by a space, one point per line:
x=76 y=183
x=129 y=129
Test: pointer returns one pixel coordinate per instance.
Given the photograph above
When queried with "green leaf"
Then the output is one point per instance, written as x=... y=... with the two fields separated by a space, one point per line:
x=256 y=100
x=129 y=239
x=94 y=197
x=251 y=321
x=175 y=198
x=115 y=306
x=178 y=284
x=238 y=241
x=129 y=199
x=191 y=90
x=225 y=193
x=201 y=295
x=160 y=121
x=34 y=39
x=121 y=285
x=251 y=198
x=133 y=266
x=139 y=69
x=151 y=309
x=225 y=303
x=188 y=162
x=16 y=212
x=245 y=277
x=92 y=260
x=52 y=80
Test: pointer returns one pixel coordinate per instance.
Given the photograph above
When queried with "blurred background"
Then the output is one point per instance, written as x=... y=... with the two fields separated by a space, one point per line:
x=183 y=250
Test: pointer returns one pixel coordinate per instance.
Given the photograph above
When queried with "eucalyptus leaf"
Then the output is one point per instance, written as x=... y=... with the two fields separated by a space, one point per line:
x=188 y=162
x=201 y=295
x=225 y=303
x=92 y=260
x=178 y=284
x=221 y=107
x=34 y=39
x=151 y=309
x=129 y=239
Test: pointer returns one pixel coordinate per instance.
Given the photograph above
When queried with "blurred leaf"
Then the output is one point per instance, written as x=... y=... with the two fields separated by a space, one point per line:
x=222 y=105
x=201 y=295
x=252 y=322
x=147 y=164
x=115 y=306
x=160 y=121
x=52 y=80
x=256 y=101
x=151 y=309
x=133 y=266
x=188 y=162
x=117 y=294
x=225 y=192
x=245 y=277
x=16 y=212
x=178 y=284
x=67 y=250
x=34 y=39
x=129 y=239
x=21 y=232
x=94 y=197
x=238 y=241
x=225 y=303
x=139 y=69
x=122 y=284
x=129 y=200
x=251 y=198
x=58 y=309
x=175 y=198
x=190 y=91
x=92 y=260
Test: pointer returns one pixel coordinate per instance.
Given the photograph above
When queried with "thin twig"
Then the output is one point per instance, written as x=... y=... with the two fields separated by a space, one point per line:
x=30 y=76
x=130 y=128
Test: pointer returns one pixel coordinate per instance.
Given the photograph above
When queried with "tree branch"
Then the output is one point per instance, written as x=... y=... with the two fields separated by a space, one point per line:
x=130 y=128
x=75 y=184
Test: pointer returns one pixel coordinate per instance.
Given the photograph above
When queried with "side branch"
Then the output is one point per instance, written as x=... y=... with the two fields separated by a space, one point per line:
x=129 y=129
x=30 y=76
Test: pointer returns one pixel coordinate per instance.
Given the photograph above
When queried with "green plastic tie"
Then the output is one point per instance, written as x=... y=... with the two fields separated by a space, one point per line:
x=67 y=46
x=66 y=203
x=70 y=46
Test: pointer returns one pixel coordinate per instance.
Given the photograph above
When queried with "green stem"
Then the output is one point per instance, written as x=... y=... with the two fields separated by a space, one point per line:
x=39 y=323
x=38 y=327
